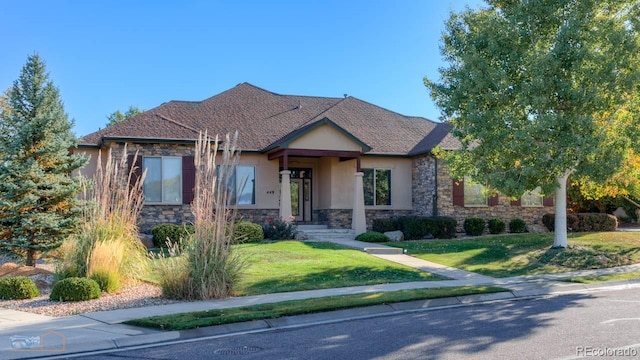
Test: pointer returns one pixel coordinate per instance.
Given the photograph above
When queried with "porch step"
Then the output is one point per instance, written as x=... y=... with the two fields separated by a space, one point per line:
x=323 y=234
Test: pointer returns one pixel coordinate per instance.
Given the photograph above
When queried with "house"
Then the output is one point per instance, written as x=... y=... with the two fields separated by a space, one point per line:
x=339 y=161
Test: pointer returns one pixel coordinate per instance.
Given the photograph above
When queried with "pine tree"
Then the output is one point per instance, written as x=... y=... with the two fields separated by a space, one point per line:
x=39 y=206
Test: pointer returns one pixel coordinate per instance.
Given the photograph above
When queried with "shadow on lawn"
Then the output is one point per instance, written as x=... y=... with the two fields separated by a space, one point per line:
x=340 y=277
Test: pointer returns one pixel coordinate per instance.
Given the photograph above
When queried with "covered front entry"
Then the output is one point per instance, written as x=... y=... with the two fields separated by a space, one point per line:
x=331 y=146
x=301 y=194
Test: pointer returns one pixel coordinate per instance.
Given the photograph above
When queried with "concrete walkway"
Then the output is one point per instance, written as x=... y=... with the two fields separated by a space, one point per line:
x=104 y=330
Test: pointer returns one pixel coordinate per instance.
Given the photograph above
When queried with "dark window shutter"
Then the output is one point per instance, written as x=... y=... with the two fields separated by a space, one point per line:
x=188 y=179
x=493 y=201
x=516 y=202
x=137 y=168
x=548 y=201
x=458 y=192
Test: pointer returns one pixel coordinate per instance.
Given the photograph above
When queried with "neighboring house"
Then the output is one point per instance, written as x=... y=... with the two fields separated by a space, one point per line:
x=339 y=161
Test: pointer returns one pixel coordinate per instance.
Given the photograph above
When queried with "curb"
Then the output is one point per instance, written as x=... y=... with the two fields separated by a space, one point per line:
x=305 y=320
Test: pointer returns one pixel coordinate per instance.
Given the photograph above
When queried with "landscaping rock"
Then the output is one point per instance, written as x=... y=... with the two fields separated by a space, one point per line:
x=395 y=236
x=537 y=229
x=300 y=235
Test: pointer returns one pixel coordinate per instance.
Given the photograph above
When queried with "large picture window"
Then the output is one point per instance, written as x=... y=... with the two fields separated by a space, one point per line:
x=474 y=193
x=242 y=186
x=532 y=198
x=163 y=183
x=377 y=186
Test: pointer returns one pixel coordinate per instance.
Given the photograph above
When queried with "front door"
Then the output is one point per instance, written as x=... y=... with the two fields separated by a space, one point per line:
x=301 y=195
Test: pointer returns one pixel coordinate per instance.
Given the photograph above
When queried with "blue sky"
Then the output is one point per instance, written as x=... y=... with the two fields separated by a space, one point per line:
x=107 y=55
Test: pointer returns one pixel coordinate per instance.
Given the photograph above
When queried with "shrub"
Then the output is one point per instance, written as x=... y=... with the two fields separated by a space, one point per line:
x=517 y=226
x=75 y=289
x=445 y=227
x=278 y=229
x=474 y=226
x=167 y=234
x=372 y=236
x=108 y=281
x=589 y=222
x=415 y=228
x=246 y=231
x=18 y=288
x=384 y=225
x=496 y=226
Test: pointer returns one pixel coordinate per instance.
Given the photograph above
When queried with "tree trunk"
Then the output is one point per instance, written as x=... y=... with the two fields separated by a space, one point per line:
x=560 y=240
x=31 y=257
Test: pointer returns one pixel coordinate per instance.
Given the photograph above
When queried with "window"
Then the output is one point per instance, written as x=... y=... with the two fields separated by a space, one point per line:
x=532 y=198
x=474 y=193
x=163 y=183
x=242 y=185
x=377 y=186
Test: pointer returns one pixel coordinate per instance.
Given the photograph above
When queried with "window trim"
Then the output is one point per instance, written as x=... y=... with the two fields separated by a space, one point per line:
x=375 y=169
x=180 y=185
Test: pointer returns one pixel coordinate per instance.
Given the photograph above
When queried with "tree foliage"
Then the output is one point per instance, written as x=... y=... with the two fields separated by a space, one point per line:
x=117 y=116
x=539 y=90
x=38 y=195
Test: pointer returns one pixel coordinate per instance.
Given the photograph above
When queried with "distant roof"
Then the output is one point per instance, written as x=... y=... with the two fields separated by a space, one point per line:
x=263 y=119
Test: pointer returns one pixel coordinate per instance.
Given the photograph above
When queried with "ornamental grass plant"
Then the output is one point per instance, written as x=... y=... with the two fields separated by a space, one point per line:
x=208 y=268
x=107 y=245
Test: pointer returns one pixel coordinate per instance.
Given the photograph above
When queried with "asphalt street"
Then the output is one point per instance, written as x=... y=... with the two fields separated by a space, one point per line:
x=558 y=327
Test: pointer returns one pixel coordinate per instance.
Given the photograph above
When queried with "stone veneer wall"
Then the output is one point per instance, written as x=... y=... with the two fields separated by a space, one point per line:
x=504 y=210
x=423 y=182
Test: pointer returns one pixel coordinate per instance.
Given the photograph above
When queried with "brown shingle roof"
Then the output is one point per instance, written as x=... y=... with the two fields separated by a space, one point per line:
x=262 y=118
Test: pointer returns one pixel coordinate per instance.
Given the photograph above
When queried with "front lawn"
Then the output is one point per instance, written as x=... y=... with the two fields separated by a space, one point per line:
x=529 y=254
x=296 y=307
x=602 y=278
x=285 y=266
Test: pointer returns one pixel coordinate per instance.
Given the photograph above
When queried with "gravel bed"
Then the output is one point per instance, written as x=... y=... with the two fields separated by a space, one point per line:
x=142 y=294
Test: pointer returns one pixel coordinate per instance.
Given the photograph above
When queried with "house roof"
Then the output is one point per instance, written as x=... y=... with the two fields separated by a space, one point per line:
x=265 y=120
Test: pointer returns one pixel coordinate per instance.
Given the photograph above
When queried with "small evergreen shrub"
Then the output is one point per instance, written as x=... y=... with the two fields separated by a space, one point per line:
x=108 y=281
x=384 y=225
x=75 y=289
x=445 y=227
x=590 y=222
x=372 y=236
x=474 y=226
x=517 y=226
x=18 y=288
x=415 y=228
x=171 y=233
x=245 y=231
x=496 y=226
x=278 y=229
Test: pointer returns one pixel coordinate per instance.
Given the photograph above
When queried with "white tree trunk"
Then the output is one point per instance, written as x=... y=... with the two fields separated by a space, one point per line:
x=560 y=239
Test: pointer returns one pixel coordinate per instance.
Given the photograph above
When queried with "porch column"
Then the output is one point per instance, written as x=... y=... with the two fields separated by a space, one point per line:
x=358 y=219
x=285 y=196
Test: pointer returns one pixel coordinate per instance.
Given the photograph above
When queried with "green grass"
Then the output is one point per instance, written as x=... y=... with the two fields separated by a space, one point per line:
x=297 y=307
x=529 y=254
x=602 y=278
x=285 y=266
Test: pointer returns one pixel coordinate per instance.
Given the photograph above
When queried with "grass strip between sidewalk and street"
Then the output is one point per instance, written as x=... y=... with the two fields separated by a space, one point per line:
x=200 y=319
x=603 y=278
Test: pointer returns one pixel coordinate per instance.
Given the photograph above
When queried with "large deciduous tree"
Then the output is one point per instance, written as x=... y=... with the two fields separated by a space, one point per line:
x=540 y=90
x=117 y=116
x=38 y=194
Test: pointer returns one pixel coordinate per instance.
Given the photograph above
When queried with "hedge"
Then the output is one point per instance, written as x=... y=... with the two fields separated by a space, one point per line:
x=584 y=222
